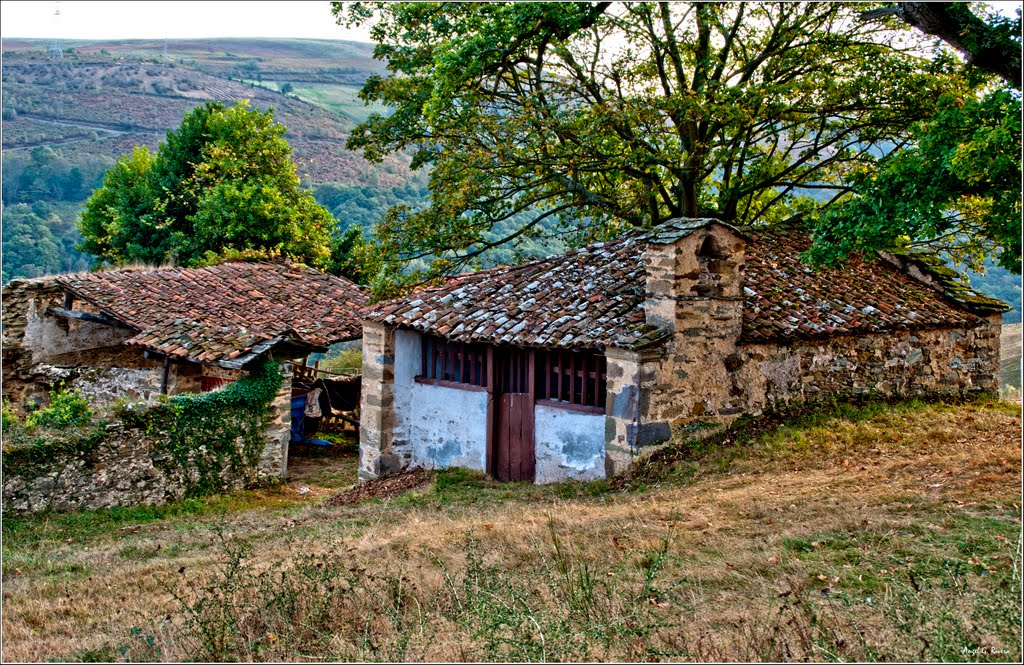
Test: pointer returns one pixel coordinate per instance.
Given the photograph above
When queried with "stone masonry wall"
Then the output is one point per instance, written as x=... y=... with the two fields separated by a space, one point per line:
x=132 y=466
x=695 y=290
x=127 y=468
x=377 y=408
x=757 y=377
x=909 y=362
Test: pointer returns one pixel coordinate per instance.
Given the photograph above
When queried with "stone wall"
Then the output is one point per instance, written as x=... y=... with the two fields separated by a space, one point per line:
x=273 y=461
x=907 y=362
x=135 y=463
x=757 y=377
x=127 y=468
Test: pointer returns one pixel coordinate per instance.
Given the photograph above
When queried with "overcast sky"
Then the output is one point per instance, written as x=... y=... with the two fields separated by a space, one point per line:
x=172 y=20
x=186 y=20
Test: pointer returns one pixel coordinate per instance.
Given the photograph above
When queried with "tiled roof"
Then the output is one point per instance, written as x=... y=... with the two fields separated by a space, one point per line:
x=226 y=312
x=786 y=299
x=593 y=298
x=588 y=298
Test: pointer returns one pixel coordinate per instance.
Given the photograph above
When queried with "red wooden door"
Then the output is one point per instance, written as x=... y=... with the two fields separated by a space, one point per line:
x=513 y=457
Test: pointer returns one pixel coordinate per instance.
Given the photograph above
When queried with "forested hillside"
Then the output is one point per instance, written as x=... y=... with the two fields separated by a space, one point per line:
x=66 y=121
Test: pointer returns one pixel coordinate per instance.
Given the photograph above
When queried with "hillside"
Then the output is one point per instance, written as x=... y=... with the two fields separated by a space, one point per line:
x=65 y=122
x=886 y=533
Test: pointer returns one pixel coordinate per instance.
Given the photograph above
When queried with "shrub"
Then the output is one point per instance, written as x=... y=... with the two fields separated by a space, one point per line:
x=10 y=420
x=66 y=409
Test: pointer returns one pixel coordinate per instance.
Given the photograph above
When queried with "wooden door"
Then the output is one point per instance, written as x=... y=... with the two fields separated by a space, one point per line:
x=513 y=457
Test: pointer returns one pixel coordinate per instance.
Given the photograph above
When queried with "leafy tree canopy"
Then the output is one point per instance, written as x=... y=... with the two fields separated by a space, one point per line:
x=955 y=190
x=955 y=186
x=222 y=182
x=602 y=116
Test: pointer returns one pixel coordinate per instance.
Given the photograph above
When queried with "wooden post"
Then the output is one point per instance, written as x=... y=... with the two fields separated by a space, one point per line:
x=489 y=454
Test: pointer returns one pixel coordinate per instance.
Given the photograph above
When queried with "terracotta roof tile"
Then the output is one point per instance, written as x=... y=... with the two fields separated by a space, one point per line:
x=593 y=298
x=224 y=311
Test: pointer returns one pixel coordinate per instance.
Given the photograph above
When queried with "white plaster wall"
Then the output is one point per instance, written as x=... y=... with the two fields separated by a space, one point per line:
x=47 y=336
x=408 y=360
x=570 y=444
x=447 y=426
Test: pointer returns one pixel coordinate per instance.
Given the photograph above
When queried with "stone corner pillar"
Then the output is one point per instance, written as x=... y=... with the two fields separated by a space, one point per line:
x=377 y=407
x=622 y=412
x=273 y=462
x=630 y=431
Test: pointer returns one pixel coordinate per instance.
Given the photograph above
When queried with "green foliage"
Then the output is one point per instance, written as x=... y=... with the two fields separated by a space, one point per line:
x=345 y=361
x=956 y=189
x=29 y=452
x=9 y=420
x=49 y=174
x=1002 y=284
x=595 y=118
x=204 y=432
x=39 y=239
x=66 y=409
x=224 y=180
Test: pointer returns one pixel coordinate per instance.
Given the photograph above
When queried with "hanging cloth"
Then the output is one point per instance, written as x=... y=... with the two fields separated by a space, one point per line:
x=313 y=404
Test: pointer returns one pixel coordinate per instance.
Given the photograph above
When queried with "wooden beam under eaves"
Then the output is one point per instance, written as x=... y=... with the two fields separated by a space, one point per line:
x=86 y=316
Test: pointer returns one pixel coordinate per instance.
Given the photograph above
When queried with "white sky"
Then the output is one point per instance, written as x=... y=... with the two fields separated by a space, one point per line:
x=150 y=19
x=173 y=20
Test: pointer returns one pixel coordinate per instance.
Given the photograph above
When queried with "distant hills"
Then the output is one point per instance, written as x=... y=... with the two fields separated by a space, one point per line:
x=66 y=121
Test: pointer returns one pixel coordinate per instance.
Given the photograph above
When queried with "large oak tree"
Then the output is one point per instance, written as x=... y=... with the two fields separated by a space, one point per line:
x=955 y=187
x=587 y=118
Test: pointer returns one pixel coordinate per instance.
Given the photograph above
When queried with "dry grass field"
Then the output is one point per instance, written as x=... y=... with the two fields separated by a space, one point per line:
x=868 y=533
x=1009 y=367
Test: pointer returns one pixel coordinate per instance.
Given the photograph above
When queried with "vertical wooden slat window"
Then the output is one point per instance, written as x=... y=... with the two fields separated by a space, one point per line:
x=572 y=377
x=454 y=362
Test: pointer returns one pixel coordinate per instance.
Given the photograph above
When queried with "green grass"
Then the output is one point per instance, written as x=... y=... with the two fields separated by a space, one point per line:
x=88 y=526
x=341 y=99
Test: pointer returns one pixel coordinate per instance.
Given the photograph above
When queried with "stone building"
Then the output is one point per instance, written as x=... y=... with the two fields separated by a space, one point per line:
x=137 y=333
x=573 y=365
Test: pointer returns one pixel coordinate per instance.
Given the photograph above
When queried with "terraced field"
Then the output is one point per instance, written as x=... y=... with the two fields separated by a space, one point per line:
x=107 y=97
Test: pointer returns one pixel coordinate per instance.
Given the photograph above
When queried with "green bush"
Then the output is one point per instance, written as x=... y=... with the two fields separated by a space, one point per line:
x=66 y=409
x=10 y=420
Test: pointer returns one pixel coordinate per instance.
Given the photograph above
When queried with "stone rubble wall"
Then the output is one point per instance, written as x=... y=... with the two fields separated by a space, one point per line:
x=130 y=467
x=127 y=468
x=758 y=377
x=908 y=363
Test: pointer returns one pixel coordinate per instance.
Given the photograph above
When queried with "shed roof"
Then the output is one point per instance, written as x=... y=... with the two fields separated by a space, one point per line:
x=593 y=297
x=226 y=313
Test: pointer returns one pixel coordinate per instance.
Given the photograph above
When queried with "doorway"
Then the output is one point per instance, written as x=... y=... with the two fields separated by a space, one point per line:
x=514 y=457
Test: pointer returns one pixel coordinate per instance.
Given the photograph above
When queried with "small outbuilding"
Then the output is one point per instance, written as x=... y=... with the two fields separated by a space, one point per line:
x=137 y=333
x=571 y=366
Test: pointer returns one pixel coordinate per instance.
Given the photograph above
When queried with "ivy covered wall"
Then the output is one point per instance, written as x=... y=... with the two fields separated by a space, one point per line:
x=186 y=445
